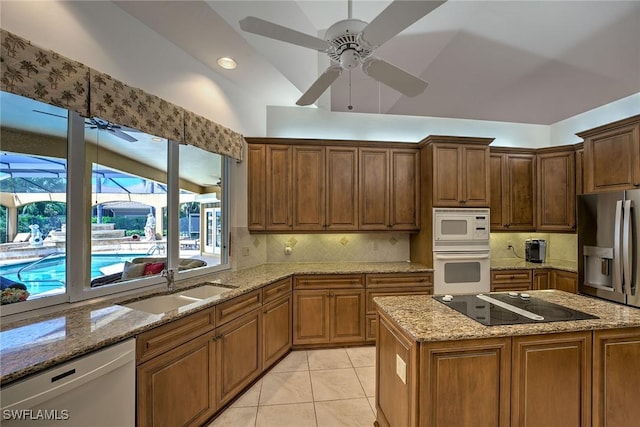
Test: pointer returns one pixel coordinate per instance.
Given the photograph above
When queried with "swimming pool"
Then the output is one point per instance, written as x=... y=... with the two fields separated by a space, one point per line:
x=49 y=274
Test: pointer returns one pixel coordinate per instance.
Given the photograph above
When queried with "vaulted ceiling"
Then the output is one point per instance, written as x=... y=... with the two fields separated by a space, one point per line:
x=516 y=61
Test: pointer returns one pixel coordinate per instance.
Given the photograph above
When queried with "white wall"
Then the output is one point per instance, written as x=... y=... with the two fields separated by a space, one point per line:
x=564 y=132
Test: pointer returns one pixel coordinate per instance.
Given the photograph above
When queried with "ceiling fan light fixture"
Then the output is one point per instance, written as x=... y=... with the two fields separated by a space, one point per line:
x=227 y=63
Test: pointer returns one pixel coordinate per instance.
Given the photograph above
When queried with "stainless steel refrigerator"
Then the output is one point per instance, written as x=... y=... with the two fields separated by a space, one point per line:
x=608 y=253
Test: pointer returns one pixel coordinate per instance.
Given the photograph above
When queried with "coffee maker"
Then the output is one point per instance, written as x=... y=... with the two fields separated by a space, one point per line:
x=535 y=250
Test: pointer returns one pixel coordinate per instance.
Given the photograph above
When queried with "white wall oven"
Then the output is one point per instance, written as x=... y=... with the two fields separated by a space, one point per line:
x=461 y=251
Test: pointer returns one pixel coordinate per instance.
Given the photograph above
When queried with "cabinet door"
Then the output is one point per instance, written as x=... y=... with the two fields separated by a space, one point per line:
x=239 y=355
x=551 y=380
x=580 y=171
x=616 y=377
x=177 y=388
x=405 y=190
x=347 y=321
x=278 y=200
x=541 y=280
x=520 y=181
x=308 y=188
x=556 y=192
x=465 y=383
x=342 y=188
x=499 y=189
x=447 y=175
x=475 y=183
x=612 y=159
x=276 y=330
x=256 y=187
x=564 y=281
x=374 y=189
x=310 y=317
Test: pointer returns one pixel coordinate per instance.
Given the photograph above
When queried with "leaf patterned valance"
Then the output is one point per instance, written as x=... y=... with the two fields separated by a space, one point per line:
x=43 y=75
x=132 y=107
x=46 y=76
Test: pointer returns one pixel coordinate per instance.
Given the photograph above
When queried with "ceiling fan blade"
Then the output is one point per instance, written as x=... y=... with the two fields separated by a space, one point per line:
x=264 y=28
x=396 y=17
x=393 y=77
x=122 y=135
x=319 y=86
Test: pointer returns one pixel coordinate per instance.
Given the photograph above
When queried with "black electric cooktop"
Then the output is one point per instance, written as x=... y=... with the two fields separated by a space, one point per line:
x=489 y=309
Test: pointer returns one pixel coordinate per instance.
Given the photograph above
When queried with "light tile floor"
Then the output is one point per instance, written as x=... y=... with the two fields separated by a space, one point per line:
x=315 y=388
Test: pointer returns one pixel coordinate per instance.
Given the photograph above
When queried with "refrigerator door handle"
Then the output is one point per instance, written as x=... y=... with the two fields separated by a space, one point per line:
x=617 y=250
x=627 y=248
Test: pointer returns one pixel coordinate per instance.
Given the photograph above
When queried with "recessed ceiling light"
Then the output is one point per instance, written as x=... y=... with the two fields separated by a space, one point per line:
x=227 y=63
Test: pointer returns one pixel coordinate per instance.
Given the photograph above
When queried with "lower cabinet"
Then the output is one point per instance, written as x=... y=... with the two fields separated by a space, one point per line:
x=522 y=280
x=541 y=279
x=276 y=330
x=564 y=281
x=177 y=388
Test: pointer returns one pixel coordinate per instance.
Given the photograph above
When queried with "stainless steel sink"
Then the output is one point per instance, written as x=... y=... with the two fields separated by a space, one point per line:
x=163 y=303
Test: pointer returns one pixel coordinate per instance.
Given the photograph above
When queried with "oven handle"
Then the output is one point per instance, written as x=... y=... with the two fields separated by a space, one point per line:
x=457 y=257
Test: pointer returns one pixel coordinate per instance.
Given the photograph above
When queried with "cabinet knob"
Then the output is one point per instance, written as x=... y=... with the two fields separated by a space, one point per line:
x=265 y=312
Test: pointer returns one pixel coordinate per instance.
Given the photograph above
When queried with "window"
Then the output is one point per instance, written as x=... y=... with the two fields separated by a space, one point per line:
x=152 y=204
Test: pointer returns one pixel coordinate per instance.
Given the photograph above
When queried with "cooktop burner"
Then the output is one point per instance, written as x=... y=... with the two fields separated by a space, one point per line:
x=510 y=308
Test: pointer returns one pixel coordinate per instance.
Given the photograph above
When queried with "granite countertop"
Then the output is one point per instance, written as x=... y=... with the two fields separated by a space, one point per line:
x=520 y=264
x=425 y=319
x=31 y=345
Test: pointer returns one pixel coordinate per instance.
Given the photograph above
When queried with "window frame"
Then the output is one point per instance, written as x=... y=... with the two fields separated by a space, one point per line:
x=78 y=239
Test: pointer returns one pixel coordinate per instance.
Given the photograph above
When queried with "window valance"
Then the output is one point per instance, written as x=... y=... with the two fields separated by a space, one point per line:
x=49 y=77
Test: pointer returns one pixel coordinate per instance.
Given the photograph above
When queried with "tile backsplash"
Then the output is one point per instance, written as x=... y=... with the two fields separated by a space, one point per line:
x=559 y=246
x=253 y=249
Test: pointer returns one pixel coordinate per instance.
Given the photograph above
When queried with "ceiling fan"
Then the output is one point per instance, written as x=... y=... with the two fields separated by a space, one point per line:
x=100 y=124
x=351 y=42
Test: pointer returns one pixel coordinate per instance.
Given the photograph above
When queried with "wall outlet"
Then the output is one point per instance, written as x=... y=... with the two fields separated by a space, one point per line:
x=401 y=369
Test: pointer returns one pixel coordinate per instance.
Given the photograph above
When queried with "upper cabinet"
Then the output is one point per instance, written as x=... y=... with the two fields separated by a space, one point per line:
x=459 y=170
x=556 y=207
x=388 y=191
x=612 y=156
x=312 y=186
x=513 y=191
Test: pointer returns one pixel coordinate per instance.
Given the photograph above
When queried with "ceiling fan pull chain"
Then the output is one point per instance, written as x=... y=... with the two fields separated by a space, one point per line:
x=349 y=9
x=350 y=107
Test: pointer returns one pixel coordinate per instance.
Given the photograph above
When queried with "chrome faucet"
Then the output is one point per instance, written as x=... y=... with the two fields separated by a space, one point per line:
x=169 y=274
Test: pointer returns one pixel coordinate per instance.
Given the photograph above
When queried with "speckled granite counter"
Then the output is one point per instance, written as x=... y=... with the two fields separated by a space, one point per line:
x=425 y=319
x=35 y=344
x=520 y=264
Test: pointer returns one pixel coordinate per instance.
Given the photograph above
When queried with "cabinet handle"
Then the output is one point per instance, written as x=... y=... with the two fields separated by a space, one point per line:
x=265 y=312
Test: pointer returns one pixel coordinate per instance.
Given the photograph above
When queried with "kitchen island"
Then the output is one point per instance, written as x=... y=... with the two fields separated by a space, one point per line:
x=438 y=368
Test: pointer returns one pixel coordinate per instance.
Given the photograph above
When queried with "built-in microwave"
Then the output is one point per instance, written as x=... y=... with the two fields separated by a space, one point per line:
x=460 y=229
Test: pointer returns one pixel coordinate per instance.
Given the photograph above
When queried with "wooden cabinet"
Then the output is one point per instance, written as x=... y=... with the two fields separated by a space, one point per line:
x=513 y=189
x=541 y=279
x=308 y=188
x=459 y=168
x=465 y=383
x=303 y=186
x=328 y=309
x=238 y=355
x=579 y=169
x=341 y=188
x=564 y=281
x=389 y=182
x=612 y=156
x=511 y=280
x=278 y=196
x=551 y=382
x=392 y=284
x=616 y=377
x=556 y=207
x=276 y=321
x=177 y=388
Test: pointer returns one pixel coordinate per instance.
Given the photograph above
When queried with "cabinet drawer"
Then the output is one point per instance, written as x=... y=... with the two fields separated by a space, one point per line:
x=238 y=306
x=329 y=281
x=395 y=280
x=158 y=340
x=512 y=286
x=511 y=276
x=371 y=294
x=276 y=290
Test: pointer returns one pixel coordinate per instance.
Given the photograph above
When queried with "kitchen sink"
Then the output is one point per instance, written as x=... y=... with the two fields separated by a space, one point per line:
x=205 y=291
x=163 y=303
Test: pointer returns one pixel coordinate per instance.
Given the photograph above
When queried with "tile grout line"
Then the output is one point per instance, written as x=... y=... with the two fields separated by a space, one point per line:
x=313 y=398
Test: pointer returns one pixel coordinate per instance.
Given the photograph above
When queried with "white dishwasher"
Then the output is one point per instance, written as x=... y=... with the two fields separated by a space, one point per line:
x=96 y=390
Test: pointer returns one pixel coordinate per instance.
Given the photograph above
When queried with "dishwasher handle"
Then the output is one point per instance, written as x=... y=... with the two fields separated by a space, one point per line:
x=46 y=386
